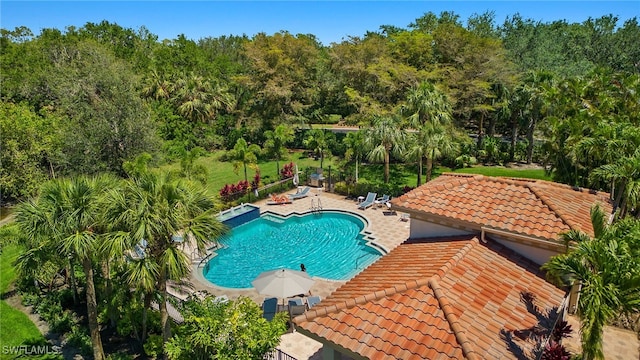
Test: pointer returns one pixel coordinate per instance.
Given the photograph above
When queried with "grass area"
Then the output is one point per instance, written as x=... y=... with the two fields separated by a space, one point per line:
x=7 y=271
x=506 y=172
x=15 y=326
x=221 y=173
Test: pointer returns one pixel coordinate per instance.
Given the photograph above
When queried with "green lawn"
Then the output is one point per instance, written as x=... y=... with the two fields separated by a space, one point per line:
x=507 y=172
x=221 y=173
x=15 y=326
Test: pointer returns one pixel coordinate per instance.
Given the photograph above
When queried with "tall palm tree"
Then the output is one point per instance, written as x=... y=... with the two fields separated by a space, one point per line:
x=354 y=142
x=276 y=142
x=606 y=266
x=69 y=212
x=318 y=141
x=534 y=90
x=429 y=113
x=431 y=141
x=385 y=136
x=244 y=154
x=153 y=208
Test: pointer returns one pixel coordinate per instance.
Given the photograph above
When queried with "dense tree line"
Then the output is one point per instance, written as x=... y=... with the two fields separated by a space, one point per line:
x=102 y=94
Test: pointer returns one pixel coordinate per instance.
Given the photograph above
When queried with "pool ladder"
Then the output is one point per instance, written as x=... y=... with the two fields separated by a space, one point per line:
x=316 y=206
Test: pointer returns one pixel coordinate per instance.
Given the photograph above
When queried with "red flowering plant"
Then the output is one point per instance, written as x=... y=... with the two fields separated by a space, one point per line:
x=287 y=171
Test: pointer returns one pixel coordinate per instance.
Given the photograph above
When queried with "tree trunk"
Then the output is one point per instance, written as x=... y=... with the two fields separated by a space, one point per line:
x=530 y=129
x=92 y=311
x=245 y=171
x=277 y=169
x=386 y=166
x=145 y=307
x=419 y=171
x=111 y=309
x=356 y=170
x=514 y=138
x=72 y=278
x=164 y=314
x=480 y=131
x=492 y=126
x=429 y=167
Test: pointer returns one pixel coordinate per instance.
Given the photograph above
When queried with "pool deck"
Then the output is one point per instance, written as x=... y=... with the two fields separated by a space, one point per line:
x=388 y=231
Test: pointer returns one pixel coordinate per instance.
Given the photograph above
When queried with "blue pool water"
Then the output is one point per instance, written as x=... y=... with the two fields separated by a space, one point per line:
x=329 y=244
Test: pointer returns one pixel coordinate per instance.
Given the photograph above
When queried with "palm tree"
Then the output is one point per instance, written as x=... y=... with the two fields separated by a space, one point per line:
x=188 y=167
x=427 y=104
x=431 y=141
x=157 y=87
x=624 y=173
x=69 y=213
x=385 y=136
x=198 y=99
x=533 y=90
x=244 y=154
x=606 y=266
x=318 y=141
x=354 y=142
x=429 y=113
x=276 y=142
x=153 y=208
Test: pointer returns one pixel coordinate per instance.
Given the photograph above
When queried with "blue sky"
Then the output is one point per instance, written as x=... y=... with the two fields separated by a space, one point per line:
x=330 y=21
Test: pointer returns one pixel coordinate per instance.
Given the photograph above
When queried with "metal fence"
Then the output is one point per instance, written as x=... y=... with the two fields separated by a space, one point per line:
x=278 y=354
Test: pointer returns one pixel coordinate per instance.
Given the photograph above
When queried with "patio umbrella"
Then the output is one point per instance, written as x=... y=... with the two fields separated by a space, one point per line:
x=283 y=283
x=295 y=177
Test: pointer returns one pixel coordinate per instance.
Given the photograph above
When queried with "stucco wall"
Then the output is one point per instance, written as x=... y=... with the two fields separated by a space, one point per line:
x=423 y=229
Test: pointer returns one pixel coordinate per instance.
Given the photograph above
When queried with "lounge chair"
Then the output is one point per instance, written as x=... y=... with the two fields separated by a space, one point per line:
x=382 y=200
x=300 y=194
x=368 y=201
x=295 y=301
x=313 y=301
x=269 y=308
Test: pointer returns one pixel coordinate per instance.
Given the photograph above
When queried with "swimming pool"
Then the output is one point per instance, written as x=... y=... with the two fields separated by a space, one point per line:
x=330 y=244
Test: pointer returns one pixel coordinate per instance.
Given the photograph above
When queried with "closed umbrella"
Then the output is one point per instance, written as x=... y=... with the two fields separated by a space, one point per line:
x=295 y=177
x=283 y=283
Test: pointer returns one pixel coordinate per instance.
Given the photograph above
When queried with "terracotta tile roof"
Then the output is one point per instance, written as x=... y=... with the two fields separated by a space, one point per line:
x=418 y=303
x=537 y=208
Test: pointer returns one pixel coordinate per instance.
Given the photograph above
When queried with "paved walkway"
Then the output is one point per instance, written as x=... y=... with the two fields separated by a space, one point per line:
x=618 y=344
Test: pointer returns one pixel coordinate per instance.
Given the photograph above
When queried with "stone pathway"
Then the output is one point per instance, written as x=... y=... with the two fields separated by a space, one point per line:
x=618 y=344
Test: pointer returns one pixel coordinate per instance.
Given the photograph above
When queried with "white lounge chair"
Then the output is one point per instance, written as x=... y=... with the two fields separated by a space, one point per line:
x=301 y=194
x=381 y=201
x=368 y=201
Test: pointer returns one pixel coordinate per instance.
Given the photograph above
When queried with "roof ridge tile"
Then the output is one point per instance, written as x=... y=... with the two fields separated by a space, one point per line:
x=548 y=203
x=453 y=261
x=458 y=331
